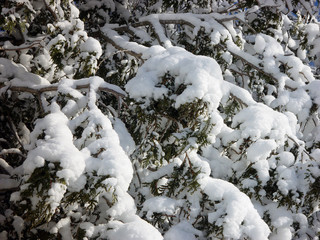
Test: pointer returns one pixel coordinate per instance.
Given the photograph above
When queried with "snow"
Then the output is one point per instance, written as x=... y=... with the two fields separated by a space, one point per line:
x=161 y=204
x=312 y=30
x=57 y=147
x=63 y=227
x=18 y=224
x=182 y=231
x=314 y=90
x=19 y=75
x=133 y=46
x=56 y=193
x=286 y=159
x=202 y=83
x=238 y=220
x=6 y=183
x=258 y=121
x=126 y=141
x=137 y=230
x=221 y=166
x=257 y=153
x=4 y=235
x=6 y=166
x=153 y=19
x=260 y=44
x=105 y=148
x=92 y=45
x=287 y=180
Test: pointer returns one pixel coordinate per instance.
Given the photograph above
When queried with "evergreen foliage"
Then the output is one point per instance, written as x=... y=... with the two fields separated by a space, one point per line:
x=159 y=119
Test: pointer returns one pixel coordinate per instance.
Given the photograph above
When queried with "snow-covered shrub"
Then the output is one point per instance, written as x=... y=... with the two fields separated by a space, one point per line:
x=159 y=119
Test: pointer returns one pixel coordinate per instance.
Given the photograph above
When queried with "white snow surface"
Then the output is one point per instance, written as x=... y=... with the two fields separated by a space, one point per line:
x=136 y=230
x=56 y=147
x=258 y=121
x=92 y=45
x=19 y=75
x=203 y=82
x=161 y=204
x=239 y=219
x=182 y=231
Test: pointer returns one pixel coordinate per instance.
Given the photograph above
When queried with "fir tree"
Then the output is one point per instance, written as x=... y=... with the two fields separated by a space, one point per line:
x=159 y=119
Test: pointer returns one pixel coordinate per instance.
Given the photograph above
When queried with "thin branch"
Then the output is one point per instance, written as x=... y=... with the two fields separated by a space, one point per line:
x=12 y=151
x=304 y=150
x=163 y=21
x=38 y=42
x=6 y=166
x=53 y=88
x=249 y=63
x=239 y=100
x=117 y=46
x=145 y=23
x=304 y=4
x=15 y=133
x=136 y=172
x=187 y=22
x=40 y=104
x=230 y=18
x=50 y=10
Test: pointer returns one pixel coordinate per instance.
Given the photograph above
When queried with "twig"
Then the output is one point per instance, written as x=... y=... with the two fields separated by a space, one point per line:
x=303 y=3
x=183 y=21
x=12 y=151
x=239 y=100
x=21 y=48
x=164 y=21
x=230 y=18
x=53 y=88
x=14 y=130
x=136 y=171
x=304 y=150
x=6 y=166
x=3 y=140
x=190 y=164
x=40 y=103
x=117 y=46
x=50 y=10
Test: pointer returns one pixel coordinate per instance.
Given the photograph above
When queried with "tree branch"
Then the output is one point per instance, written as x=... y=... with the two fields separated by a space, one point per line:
x=100 y=34
x=38 y=42
x=231 y=18
x=52 y=88
x=12 y=151
x=239 y=100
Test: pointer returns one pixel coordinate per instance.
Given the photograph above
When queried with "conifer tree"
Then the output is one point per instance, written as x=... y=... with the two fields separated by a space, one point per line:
x=159 y=119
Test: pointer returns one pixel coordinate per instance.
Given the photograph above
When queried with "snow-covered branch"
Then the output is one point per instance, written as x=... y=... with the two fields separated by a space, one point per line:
x=222 y=111
x=54 y=88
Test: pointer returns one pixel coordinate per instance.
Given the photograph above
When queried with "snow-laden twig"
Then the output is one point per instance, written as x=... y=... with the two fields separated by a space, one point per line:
x=23 y=47
x=54 y=87
x=118 y=42
x=193 y=21
x=6 y=166
x=15 y=132
x=12 y=151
